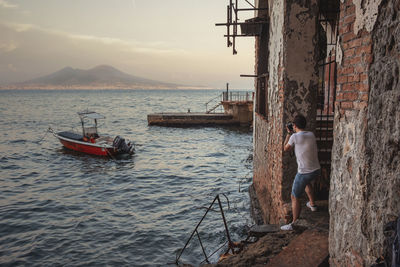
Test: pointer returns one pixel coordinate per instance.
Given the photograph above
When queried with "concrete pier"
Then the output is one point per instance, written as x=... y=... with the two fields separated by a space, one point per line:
x=191 y=119
x=238 y=110
x=242 y=111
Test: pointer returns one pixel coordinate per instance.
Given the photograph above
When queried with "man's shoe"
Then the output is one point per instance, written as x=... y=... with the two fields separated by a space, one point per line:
x=312 y=208
x=287 y=227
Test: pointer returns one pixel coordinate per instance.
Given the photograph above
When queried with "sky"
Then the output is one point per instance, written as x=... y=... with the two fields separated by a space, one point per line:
x=167 y=40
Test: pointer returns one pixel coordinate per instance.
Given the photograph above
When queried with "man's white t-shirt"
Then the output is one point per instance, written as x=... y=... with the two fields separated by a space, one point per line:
x=305 y=148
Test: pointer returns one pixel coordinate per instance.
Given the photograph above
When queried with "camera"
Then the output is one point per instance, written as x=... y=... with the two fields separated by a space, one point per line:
x=289 y=125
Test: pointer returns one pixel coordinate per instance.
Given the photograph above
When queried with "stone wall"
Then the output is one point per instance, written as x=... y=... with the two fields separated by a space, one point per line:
x=383 y=131
x=365 y=183
x=290 y=90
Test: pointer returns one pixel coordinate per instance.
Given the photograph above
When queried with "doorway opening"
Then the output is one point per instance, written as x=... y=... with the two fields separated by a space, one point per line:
x=328 y=33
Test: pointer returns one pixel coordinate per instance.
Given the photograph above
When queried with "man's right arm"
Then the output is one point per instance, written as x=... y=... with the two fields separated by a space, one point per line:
x=287 y=146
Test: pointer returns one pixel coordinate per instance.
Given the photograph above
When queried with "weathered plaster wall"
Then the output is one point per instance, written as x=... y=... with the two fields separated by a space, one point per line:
x=365 y=180
x=267 y=173
x=292 y=78
x=366 y=14
x=300 y=74
x=267 y=137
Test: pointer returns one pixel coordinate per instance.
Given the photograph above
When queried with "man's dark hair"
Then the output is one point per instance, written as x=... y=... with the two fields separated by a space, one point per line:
x=300 y=121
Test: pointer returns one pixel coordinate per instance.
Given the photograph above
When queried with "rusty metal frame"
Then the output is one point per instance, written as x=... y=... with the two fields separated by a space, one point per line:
x=326 y=92
x=232 y=20
x=231 y=244
x=327 y=65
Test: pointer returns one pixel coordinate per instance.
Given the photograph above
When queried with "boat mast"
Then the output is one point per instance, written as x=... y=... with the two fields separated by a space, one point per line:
x=83 y=126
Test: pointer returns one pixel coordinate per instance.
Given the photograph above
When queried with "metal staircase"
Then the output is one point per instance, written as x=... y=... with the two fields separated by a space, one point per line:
x=213 y=108
x=215 y=103
x=324 y=135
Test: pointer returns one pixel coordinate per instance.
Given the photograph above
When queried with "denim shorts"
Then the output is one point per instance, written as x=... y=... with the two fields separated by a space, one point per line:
x=301 y=180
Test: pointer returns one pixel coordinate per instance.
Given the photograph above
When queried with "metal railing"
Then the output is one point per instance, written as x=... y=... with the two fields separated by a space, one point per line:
x=213 y=103
x=231 y=245
x=328 y=21
x=237 y=96
x=216 y=102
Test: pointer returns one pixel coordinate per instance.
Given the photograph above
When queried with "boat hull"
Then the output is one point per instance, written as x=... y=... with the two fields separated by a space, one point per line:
x=88 y=149
x=74 y=142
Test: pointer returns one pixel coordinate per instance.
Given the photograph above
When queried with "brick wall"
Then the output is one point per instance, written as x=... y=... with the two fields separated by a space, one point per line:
x=352 y=79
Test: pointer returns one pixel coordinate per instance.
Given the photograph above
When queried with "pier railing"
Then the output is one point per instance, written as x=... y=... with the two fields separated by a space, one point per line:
x=237 y=96
x=216 y=102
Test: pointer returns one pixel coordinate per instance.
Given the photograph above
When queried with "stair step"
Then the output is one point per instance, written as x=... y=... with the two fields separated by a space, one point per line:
x=324 y=116
x=213 y=108
x=325 y=164
x=330 y=129
x=325 y=150
x=324 y=156
x=324 y=138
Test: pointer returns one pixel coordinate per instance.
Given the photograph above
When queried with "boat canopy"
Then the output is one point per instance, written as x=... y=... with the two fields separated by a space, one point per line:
x=91 y=115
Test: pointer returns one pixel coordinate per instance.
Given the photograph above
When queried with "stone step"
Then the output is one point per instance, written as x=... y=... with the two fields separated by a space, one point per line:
x=310 y=249
x=262 y=230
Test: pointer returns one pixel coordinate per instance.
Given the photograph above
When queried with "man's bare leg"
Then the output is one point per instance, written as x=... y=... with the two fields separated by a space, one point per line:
x=310 y=194
x=295 y=208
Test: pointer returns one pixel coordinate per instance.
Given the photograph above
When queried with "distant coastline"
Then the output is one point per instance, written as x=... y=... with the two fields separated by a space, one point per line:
x=101 y=87
x=102 y=77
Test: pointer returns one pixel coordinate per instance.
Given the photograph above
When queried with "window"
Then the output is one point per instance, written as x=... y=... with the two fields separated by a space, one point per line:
x=262 y=96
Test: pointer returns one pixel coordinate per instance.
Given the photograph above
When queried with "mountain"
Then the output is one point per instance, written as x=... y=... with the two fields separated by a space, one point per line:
x=100 y=77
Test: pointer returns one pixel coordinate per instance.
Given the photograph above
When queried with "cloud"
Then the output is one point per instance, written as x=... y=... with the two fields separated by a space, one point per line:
x=5 y=4
x=128 y=45
x=12 y=67
x=8 y=47
x=125 y=45
x=23 y=27
x=18 y=27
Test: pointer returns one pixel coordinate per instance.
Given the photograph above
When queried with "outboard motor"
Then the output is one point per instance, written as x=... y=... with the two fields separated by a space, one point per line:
x=122 y=146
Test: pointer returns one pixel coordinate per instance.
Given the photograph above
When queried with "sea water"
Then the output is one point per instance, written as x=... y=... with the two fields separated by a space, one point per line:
x=62 y=208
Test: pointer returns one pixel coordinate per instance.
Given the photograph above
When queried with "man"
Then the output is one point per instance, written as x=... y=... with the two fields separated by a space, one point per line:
x=308 y=168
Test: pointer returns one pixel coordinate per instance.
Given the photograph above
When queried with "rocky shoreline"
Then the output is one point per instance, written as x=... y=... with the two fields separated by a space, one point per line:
x=310 y=239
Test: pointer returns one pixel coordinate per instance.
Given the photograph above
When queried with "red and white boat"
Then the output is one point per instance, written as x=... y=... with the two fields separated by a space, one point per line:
x=90 y=142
